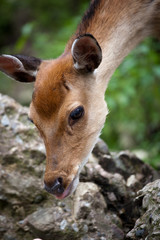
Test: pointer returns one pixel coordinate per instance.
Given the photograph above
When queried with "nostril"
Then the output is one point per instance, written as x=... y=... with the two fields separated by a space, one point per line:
x=60 y=180
x=56 y=187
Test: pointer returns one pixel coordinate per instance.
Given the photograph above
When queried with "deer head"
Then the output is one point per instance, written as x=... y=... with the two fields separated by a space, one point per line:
x=67 y=107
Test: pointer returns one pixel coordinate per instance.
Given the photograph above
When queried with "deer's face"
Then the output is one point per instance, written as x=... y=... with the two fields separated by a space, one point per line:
x=69 y=111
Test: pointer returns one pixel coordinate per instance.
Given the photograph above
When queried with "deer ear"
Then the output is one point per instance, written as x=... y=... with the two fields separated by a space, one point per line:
x=86 y=53
x=19 y=67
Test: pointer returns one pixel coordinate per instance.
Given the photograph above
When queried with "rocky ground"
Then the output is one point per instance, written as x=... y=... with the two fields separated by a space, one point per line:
x=118 y=197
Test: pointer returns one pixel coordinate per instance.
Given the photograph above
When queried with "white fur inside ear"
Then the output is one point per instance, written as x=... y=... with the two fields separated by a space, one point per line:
x=20 y=66
x=73 y=45
x=76 y=64
x=95 y=72
x=32 y=73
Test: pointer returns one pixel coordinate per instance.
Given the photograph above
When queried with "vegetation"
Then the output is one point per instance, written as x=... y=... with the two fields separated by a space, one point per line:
x=42 y=28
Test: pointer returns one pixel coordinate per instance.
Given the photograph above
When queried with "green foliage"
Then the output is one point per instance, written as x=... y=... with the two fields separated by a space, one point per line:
x=133 y=97
x=42 y=28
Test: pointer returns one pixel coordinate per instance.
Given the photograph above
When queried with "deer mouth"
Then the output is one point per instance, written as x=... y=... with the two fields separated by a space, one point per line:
x=69 y=190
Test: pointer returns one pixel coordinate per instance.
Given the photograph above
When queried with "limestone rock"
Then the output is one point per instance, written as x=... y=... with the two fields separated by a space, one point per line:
x=88 y=198
x=53 y=223
x=89 y=204
x=105 y=205
x=148 y=225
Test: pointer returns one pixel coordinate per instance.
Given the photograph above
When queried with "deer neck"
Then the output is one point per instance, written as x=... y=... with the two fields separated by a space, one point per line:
x=124 y=37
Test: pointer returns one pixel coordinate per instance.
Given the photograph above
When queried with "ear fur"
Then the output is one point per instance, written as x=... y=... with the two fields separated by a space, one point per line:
x=19 y=67
x=86 y=53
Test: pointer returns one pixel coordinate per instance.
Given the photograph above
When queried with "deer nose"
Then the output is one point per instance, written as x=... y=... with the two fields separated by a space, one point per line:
x=56 y=187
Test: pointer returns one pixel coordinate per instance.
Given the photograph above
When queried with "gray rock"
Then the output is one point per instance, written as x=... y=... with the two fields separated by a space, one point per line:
x=53 y=223
x=88 y=197
x=5 y=121
x=101 y=148
x=103 y=206
x=89 y=204
x=148 y=225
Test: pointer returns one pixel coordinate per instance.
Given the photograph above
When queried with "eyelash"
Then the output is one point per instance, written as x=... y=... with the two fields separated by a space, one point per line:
x=29 y=119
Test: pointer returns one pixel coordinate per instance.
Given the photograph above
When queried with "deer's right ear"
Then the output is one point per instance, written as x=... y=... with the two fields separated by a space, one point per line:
x=19 y=67
x=86 y=53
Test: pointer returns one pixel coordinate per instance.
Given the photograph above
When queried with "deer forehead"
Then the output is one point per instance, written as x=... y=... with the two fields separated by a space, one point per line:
x=57 y=83
x=50 y=89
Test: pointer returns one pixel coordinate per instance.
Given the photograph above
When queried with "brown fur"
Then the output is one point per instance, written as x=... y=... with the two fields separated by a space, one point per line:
x=107 y=13
x=50 y=88
x=63 y=84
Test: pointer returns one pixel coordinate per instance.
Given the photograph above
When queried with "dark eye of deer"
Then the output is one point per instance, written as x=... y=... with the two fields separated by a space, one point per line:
x=29 y=119
x=76 y=114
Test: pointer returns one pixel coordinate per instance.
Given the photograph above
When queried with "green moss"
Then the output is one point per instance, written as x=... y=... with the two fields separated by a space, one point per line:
x=27 y=135
x=10 y=111
x=24 y=118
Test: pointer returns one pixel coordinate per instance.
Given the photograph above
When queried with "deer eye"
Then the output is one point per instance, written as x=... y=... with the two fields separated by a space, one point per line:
x=76 y=114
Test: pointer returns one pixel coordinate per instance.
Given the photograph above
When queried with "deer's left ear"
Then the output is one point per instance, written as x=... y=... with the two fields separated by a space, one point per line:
x=86 y=53
x=19 y=67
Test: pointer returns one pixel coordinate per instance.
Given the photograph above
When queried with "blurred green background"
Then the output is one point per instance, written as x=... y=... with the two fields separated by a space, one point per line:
x=42 y=28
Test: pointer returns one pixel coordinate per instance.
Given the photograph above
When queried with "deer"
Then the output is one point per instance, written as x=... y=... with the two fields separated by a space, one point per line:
x=68 y=106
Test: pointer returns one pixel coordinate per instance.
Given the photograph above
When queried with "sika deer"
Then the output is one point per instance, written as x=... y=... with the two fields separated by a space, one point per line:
x=68 y=105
